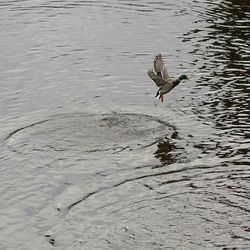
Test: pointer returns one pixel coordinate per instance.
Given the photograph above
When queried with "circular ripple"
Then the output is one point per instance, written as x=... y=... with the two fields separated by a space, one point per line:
x=77 y=133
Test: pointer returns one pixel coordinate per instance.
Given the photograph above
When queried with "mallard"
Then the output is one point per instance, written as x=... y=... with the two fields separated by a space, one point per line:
x=162 y=79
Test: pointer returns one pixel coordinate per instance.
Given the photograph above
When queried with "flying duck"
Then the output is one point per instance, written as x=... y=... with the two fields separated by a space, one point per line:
x=162 y=79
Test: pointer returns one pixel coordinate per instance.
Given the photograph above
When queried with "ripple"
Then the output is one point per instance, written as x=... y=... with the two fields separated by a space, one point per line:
x=138 y=209
x=73 y=134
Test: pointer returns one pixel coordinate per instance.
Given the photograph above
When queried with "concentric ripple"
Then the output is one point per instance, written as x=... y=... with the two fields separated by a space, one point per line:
x=77 y=133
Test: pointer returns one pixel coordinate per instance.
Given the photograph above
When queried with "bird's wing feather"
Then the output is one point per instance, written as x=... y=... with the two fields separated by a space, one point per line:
x=157 y=79
x=160 y=68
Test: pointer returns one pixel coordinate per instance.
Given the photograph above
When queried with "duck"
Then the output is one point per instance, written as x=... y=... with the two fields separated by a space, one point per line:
x=162 y=79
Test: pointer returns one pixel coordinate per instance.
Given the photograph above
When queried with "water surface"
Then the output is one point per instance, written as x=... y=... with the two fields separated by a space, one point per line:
x=89 y=159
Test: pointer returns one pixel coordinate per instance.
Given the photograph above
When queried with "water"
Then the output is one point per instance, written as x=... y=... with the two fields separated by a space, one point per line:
x=89 y=159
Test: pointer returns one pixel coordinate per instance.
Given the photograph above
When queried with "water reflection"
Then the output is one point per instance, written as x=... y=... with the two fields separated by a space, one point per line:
x=223 y=51
x=165 y=152
x=170 y=149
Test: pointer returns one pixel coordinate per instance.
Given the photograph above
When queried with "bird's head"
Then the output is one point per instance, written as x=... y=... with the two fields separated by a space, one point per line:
x=184 y=77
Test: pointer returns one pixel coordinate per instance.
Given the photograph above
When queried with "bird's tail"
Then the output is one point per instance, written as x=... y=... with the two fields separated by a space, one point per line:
x=158 y=95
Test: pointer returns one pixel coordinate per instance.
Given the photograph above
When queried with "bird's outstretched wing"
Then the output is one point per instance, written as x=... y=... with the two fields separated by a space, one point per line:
x=160 y=68
x=159 y=81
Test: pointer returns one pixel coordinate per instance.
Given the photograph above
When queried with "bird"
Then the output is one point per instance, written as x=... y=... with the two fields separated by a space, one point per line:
x=162 y=79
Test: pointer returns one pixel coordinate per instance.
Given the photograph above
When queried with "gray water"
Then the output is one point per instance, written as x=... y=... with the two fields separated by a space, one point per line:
x=90 y=159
